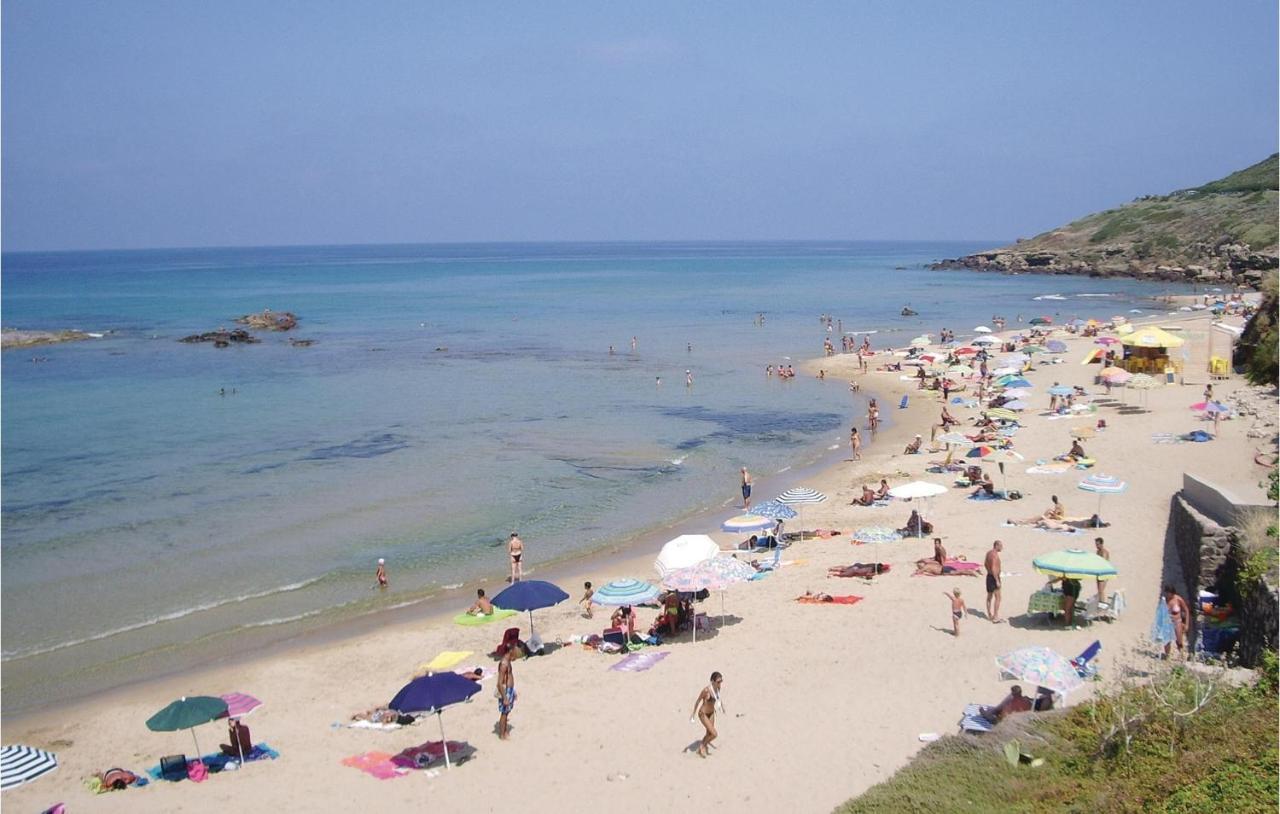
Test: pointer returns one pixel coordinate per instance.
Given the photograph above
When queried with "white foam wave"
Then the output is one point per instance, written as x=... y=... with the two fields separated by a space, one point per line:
x=783 y=469
x=452 y=586
x=283 y=619
x=155 y=620
x=678 y=461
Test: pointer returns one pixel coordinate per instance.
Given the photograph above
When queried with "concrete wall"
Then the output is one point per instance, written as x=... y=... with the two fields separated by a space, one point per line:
x=1215 y=502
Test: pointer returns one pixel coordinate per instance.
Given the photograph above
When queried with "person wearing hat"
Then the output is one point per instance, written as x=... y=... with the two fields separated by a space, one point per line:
x=914 y=447
x=382 y=573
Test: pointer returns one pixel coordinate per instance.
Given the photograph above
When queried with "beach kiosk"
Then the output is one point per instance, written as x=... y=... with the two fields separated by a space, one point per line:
x=1146 y=350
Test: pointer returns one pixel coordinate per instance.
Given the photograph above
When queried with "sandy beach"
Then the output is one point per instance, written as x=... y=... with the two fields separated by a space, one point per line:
x=822 y=701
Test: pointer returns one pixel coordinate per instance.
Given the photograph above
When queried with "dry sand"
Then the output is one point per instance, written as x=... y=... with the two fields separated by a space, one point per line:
x=822 y=701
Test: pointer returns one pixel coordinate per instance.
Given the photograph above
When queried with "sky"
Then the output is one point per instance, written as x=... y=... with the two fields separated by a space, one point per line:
x=136 y=124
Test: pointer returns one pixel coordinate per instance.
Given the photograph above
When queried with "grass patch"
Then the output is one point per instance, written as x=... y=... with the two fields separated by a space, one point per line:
x=1179 y=744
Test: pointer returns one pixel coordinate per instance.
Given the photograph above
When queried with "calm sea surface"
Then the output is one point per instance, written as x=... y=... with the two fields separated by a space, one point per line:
x=160 y=498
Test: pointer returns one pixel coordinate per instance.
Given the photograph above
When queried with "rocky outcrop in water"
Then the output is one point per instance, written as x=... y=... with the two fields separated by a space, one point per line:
x=13 y=338
x=222 y=337
x=269 y=320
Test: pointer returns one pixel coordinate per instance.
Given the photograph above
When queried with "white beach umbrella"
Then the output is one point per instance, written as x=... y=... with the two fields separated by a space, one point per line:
x=982 y=329
x=918 y=489
x=986 y=340
x=685 y=551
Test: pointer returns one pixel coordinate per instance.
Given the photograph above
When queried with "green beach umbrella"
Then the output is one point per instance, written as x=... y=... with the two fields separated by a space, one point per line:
x=188 y=713
x=1074 y=563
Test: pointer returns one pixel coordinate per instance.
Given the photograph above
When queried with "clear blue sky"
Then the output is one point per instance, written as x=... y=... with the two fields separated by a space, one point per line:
x=175 y=123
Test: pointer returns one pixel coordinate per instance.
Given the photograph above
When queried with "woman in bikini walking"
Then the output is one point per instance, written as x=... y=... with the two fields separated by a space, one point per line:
x=704 y=710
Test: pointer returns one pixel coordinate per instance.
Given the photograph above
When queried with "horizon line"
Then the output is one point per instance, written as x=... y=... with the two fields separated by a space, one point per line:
x=539 y=242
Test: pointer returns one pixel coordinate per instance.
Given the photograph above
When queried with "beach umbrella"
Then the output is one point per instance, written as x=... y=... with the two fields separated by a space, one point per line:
x=239 y=705
x=980 y=451
x=953 y=438
x=625 y=592
x=1041 y=321
x=1116 y=375
x=1042 y=667
x=1060 y=390
x=1005 y=370
x=801 y=496
x=1001 y=414
x=986 y=340
x=982 y=329
x=1029 y=349
x=773 y=509
x=1106 y=340
x=432 y=693
x=529 y=595
x=1075 y=563
x=22 y=764
x=1016 y=404
x=920 y=342
x=714 y=574
x=746 y=522
x=1014 y=383
x=1102 y=485
x=1056 y=346
x=684 y=551
x=1002 y=457
x=188 y=713
x=965 y=351
x=918 y=489
x=1211 y=407
x=1142 y=382
x=1092 y=356
x=1152 y=337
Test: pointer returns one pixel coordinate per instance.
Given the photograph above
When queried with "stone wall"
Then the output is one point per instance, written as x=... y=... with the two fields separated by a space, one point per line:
x=1203 y=546
x=1259 y=622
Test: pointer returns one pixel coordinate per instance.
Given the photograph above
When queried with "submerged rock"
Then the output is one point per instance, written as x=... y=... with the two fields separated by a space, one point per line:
x=221 y=338
x=269 y=320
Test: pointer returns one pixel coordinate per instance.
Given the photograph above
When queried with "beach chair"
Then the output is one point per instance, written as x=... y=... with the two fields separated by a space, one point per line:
x=509 y=640
x=1084 y=662
x=770 y=565
x=902 y=405
x=972 y=721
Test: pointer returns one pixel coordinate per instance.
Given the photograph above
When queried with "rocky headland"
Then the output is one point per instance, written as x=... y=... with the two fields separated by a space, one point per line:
x=1220 y=232
x=13 y=338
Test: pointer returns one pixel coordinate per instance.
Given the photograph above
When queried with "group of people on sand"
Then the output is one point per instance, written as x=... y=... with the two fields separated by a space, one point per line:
x=871 y=496
x=1055 y=518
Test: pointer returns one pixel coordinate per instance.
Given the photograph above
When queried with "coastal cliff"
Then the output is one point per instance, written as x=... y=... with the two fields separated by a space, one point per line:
x=1221 y=232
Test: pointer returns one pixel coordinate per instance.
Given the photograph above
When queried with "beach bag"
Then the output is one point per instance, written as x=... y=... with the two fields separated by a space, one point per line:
x=1014 y=494
x=197 y=772
x=173 y=767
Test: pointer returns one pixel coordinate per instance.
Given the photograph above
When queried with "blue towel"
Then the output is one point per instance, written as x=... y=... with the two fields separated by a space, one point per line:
x=972 y=720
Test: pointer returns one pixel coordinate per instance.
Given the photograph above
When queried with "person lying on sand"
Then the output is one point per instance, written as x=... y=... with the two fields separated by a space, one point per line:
x=377 y=715
x=1056 y=512
x=474 y=674
x=932 y=568
x=809 y=596
x=858 y=569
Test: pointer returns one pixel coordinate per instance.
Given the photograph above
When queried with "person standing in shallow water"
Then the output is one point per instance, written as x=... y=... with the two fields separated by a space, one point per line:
x=515 y=548
x=855 y=443
x=382 y=573
x=746 y=488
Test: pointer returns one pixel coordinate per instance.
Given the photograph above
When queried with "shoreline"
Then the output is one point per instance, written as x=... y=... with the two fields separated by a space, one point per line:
x=629 y=556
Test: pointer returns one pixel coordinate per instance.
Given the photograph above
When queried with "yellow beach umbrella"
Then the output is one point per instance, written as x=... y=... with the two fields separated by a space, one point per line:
x=1152 y=337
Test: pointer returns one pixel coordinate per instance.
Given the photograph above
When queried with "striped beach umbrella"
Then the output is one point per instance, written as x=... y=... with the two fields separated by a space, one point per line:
x=955 y=438
x=980 y=451
x=801 y=496
x=745 y=523
x=1102 y=485
x=240 y=704
x=876 y=535
x=1075 y=563
x=1115 y=375
x=22 y=764
x=1016 y=404
x=621 y=592
x=774 y=510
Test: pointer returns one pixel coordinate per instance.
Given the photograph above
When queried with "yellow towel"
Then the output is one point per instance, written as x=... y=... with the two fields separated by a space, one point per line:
x=446 y=659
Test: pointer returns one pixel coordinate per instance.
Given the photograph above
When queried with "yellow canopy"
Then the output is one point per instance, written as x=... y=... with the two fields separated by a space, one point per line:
x=1152 y=337
x=442 y=662
x=1092 y=355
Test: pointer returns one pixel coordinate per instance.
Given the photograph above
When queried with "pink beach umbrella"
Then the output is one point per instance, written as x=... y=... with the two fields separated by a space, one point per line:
x=240 y=704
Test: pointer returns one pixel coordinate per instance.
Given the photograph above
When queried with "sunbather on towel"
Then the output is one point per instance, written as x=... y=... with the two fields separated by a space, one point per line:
x=1056 y=513
x=377 y=715
x=986 y=487
x=868 y=497
x=858 y=569
x=809 y=596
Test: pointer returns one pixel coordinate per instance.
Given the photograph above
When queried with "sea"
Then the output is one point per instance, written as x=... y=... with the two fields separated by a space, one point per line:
x=166 y=501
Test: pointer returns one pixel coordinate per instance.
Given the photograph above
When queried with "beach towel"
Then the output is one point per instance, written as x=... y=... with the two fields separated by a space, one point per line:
x=972 y=721
x=430 y=753
x=371 y=725
x=835 y=600
x=1049 y=469
x=471 y=620
x=1067 y=530
x=1162 y=627
x=444 y=661
x=377 y=764
x=984 y=496
x=638 y=662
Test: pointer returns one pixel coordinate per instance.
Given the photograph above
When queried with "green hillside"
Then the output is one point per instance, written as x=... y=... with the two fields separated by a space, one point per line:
x=1225 y=230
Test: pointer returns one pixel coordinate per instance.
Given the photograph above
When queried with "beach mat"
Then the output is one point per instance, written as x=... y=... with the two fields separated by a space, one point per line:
x=217 y=761
x=431 y=753
x=835 y=600
x=638 y=662
x=471 y=620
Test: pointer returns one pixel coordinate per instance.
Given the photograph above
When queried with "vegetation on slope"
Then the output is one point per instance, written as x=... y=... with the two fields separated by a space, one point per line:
x=1257 y=351
x=1177 y=744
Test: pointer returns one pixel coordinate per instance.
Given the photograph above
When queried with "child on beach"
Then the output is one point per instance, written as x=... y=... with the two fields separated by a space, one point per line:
x=585 y=601
x=957 y=610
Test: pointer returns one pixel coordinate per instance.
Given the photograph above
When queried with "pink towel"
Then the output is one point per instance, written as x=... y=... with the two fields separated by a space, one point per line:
x=377 y=764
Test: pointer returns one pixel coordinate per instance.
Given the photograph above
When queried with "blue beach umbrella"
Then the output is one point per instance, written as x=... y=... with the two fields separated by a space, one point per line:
x=1103 y=485
x=1056 y=346
x=1015 y=382
x=529 y=595
x=432 y=693
x=625 y=592
x=1060 y=390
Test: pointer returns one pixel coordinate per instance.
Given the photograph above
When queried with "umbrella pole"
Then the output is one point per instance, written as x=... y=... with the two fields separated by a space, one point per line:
x=443 y=740
x=239 y=747
x=197 y=743
x=722 y=613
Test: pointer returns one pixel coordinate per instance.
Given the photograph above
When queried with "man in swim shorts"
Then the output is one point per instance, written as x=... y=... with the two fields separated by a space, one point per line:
x=515 y=547
x=746 y=488
x=992 y=564
x=505 y=693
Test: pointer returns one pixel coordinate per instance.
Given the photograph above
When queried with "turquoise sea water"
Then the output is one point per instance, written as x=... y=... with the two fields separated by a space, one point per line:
x=160 y=496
